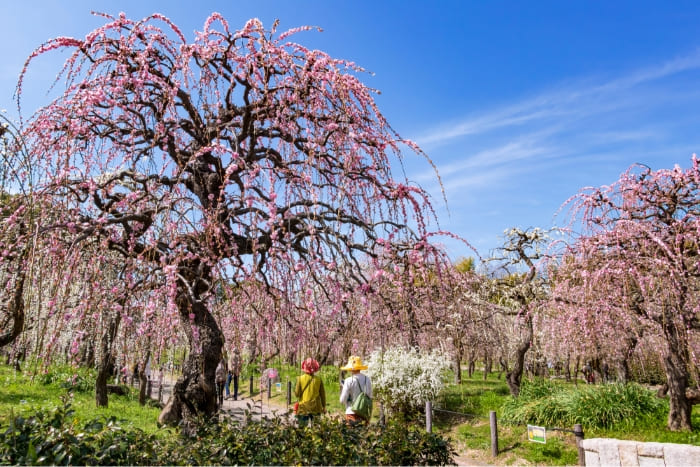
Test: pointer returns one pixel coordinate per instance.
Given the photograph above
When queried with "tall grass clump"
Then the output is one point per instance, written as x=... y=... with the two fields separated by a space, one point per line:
x=612 y=404
x=602 y=406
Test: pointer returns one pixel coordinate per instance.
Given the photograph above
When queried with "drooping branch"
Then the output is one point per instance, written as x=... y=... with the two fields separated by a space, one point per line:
x=238 y=157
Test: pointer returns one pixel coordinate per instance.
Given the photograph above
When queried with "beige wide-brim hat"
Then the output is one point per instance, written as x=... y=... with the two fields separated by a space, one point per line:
x=354 y=363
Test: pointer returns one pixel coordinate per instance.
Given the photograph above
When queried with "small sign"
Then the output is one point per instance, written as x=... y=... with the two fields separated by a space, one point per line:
x=536 y=434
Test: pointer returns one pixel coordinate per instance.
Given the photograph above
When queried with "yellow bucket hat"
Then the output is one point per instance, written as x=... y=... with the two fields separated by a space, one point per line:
x=354 y=363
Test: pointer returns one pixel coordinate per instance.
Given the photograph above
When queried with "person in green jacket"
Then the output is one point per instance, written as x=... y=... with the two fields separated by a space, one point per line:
x=310 y=392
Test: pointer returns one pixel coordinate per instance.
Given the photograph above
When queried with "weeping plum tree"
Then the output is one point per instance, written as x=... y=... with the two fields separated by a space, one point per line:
x=641 y=233
x=239 y=154
x=14 y=251
x=17 y=211
x=601 y=341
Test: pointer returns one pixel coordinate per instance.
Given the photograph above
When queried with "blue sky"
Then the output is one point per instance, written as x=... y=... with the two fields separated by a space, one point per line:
x=519 y=104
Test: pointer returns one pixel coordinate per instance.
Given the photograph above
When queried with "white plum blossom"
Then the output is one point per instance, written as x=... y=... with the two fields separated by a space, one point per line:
x=407 y=377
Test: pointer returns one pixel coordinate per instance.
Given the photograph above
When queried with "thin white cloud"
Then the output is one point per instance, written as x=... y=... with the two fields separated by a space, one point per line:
x=518 y=148
x=570 y=103
x=526 y=158
x=513 y=115
x=566 y=132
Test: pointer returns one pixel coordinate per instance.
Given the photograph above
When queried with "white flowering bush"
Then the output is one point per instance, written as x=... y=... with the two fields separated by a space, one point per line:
x=404 y=379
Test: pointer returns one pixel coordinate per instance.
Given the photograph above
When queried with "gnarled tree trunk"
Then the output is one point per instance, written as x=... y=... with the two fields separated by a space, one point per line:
x=194 y=392
x=488 y=364
x=472 y=363
x=459 y=353
x=514 y=377
x=675 y=364
x=15 y=305
x=105 y=366
x=624 y=373
x=143 y=379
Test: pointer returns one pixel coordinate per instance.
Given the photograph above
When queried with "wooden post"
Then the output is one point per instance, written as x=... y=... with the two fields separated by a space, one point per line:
x=578 y=433
x=494 y=433
x=289 y=393
x=251 y=386
x=428 y=416
x=269 y=388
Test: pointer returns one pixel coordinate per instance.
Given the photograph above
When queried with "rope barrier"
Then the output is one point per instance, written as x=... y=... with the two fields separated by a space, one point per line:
x=564 y=430
x=471 y=415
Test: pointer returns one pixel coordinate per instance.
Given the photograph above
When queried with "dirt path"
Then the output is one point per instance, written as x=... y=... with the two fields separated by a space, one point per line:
x=257 y=406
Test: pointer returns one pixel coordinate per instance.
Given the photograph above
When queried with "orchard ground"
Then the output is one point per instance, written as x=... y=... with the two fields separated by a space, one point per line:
x=461 y=414
x=259 y=405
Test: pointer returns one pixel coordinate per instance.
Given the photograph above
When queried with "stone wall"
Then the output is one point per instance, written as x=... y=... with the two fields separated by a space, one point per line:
x=615 y=452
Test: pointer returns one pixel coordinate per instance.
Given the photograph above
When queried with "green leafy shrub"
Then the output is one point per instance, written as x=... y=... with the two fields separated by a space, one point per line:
x=327 y=442
x=647 y=370
x=55 y=438
x=601 y=406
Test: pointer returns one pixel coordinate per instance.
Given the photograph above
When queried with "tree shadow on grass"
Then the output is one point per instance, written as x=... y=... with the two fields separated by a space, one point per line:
x=512 y=447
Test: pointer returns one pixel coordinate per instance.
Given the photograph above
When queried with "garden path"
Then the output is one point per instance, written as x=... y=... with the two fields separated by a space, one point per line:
x=234 y=408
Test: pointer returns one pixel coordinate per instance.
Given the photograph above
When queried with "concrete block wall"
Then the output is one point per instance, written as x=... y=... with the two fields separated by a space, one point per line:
x=606 y=452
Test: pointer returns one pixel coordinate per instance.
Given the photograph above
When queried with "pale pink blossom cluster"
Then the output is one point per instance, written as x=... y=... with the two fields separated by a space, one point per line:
x=239 y=176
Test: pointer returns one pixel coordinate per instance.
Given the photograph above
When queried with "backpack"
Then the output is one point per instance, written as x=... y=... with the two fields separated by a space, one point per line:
x=362 y=405
x=220 y=373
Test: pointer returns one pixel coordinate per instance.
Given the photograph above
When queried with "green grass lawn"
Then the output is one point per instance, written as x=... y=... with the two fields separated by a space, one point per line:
x=469 y=427
x=476 y=397
x=25 y=393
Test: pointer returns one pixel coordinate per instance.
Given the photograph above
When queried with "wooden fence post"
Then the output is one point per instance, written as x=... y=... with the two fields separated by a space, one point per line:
x=578 y=433
x=494 y=433
x=289 y=393
x=251 y=386
x=428 y=416
x=269 y=388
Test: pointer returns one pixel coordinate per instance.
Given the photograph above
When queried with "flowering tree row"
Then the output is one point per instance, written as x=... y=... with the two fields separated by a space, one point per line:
x=235 y=191
x=238 y=157
x=634 y=272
